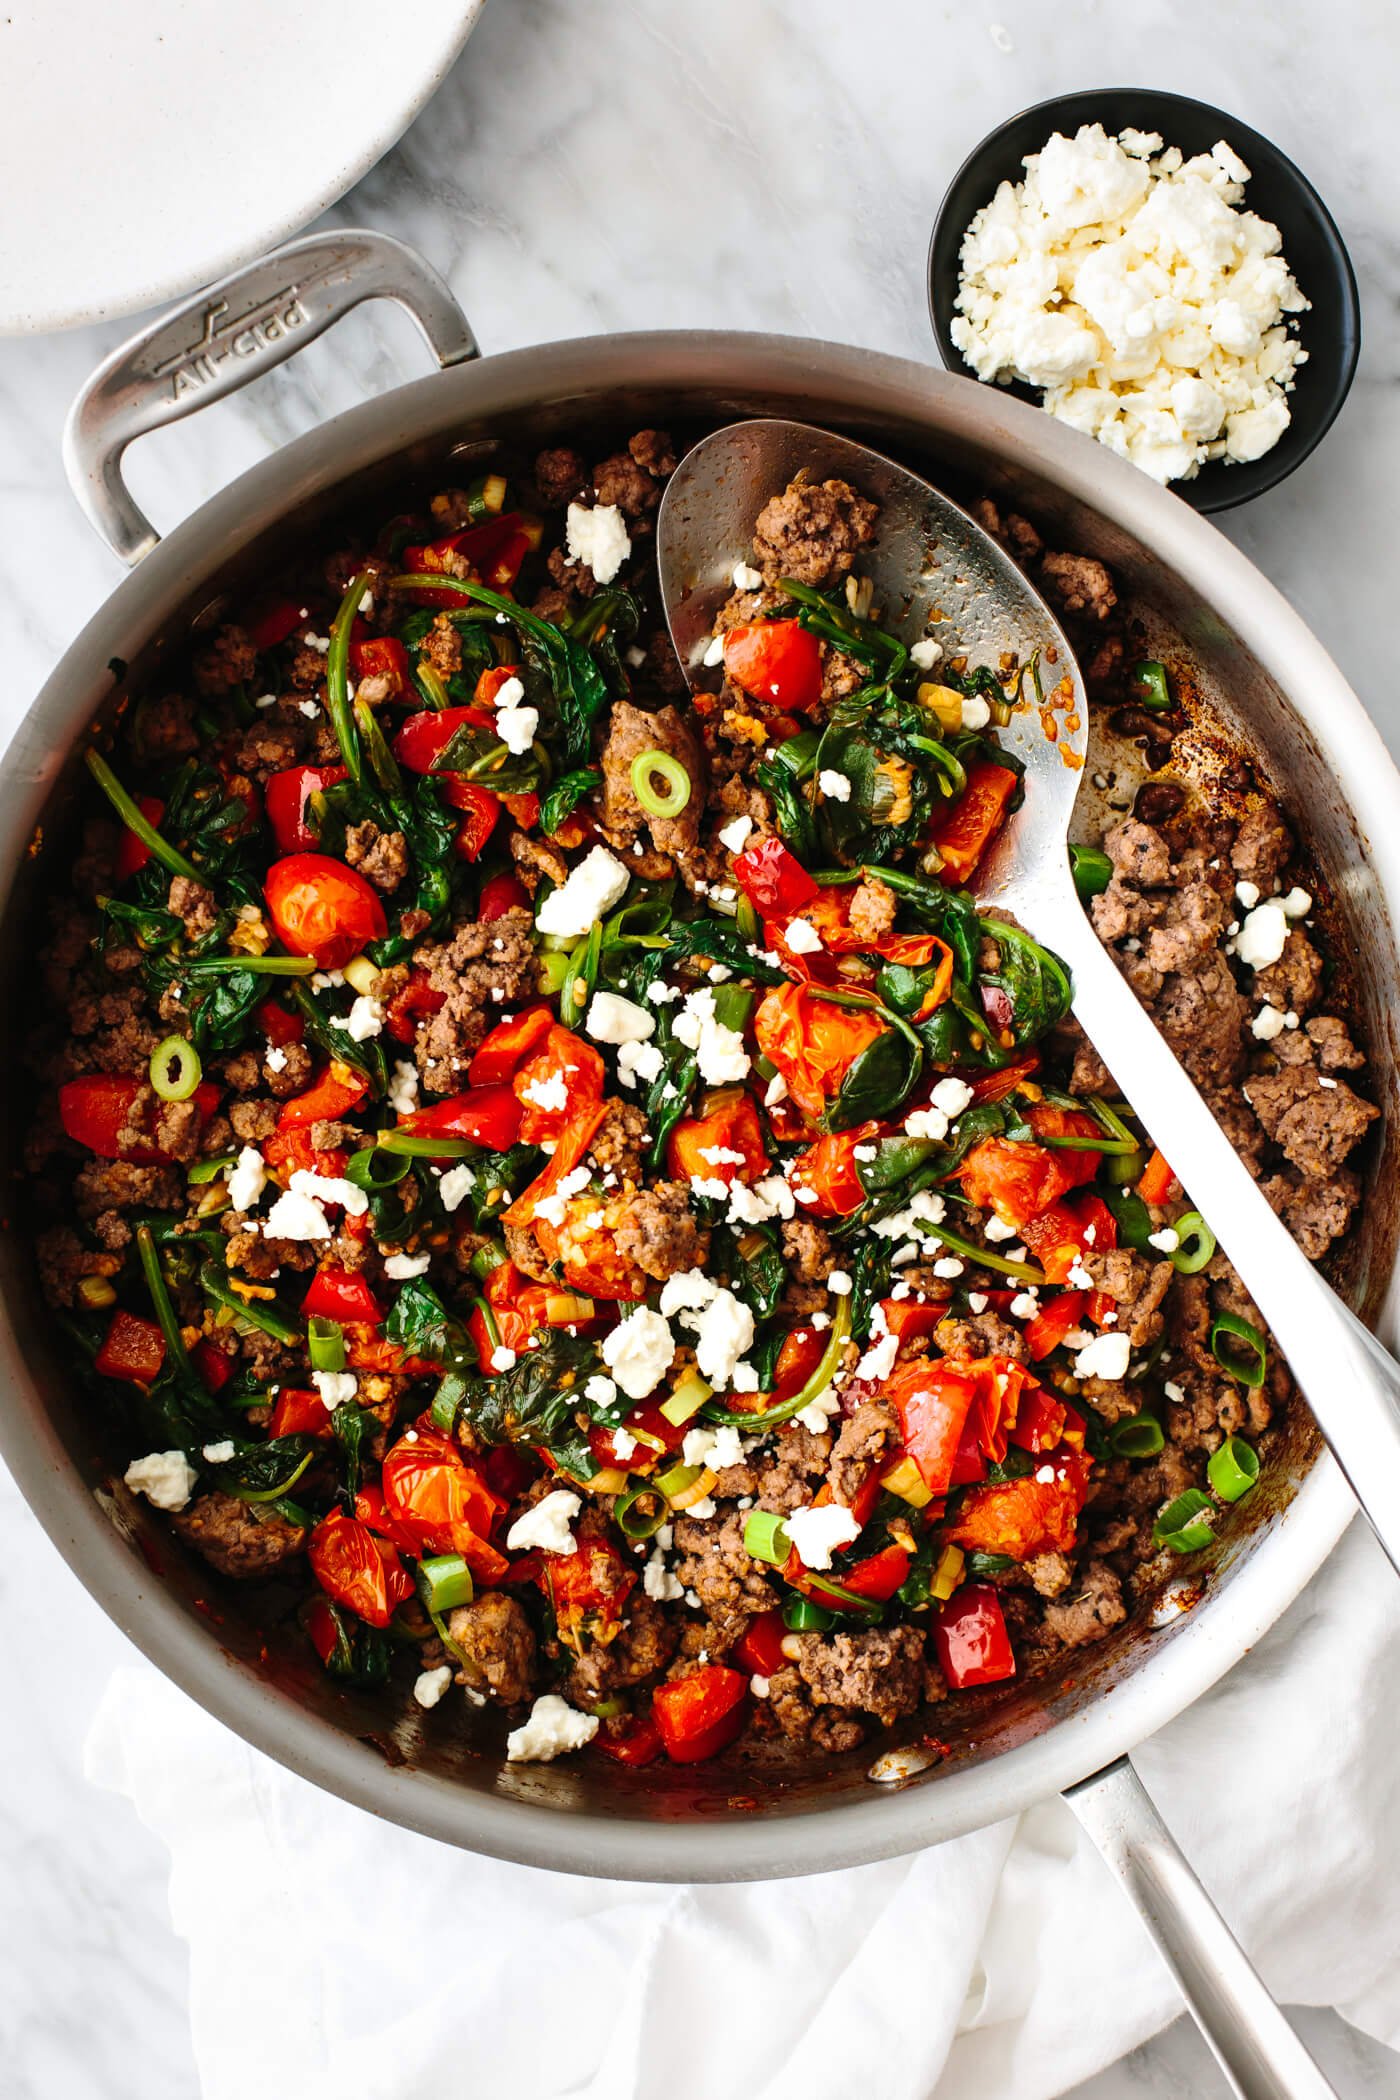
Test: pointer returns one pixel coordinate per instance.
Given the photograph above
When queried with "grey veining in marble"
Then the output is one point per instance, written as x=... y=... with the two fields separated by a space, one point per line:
x=749 y=163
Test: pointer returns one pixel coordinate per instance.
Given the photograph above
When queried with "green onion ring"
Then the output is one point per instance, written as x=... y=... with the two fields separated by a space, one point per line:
x=801 y=1615
x=1140 y=1437
x=645 y=767
x=765 y=1537
x=1196 y=1244
x=325 y=1343
x=1249 y=1365
x=175 y=1068
x=640 y=1511
x=1186 y=1524
x=1233 y=1469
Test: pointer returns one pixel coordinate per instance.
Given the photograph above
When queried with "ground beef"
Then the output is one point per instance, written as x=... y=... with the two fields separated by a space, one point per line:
x=1137 y=1285
x=1315 y=1212
x=790 y=1473
x=789 y=1703
x=872 y=909
x=269 y=747
x=234 y=1540
x=862 y=1448
x=1293 y=983
x=120 y=1184
x=1261 y=849
x=1095 y=1607
x=442 y=646
x=659 y=1232
x=229 y=661
x=560 y=475
x=259 y=1259
x=630 y=733
x=64 y=1263
x=253 y=1120
x=980 y=1334
x=380 y=856
x=711 y=1560
x=633 y=479
x=291 y=1074
x=482 y=956
x=1316 y=1124
x=880 y=1672
x=810 y=1253
x=1079 y=584
x=194 y=906
x=498 y=1643
x=641 y=1650
x=616 y=1146
x=813 y=532
x=166 y=727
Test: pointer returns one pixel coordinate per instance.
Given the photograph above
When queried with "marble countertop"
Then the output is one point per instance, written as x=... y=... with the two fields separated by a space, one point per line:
x=772 y=164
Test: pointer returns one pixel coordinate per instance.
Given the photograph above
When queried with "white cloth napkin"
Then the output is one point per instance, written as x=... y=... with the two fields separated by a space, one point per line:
x=333 y=1954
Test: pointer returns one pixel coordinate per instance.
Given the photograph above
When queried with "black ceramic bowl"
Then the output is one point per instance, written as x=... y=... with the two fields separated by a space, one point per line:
x=1330 y=332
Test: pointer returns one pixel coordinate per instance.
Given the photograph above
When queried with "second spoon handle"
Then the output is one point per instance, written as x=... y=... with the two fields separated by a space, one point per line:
x=1350 y=1382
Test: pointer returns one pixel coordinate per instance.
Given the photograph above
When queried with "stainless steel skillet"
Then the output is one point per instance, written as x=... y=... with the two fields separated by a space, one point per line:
x=1269 y=680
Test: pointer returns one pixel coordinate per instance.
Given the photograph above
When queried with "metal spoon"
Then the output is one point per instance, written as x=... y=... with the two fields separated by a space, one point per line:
x=934 y=570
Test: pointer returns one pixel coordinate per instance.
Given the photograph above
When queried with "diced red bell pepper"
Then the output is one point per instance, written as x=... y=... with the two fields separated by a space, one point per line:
x=132 y=1348
x=406 y=1008
x=700 y=1714
x=777 y=662
x=279 y=1026
x=508 y=1045
x=490 y=683
x=877 y=1577
x=480 y=809
x=1057 y=1318
x=132 y=852
x=774 y=880
x=337 y=1092
x=964 y=834
x=342 y=1294
x=1025 y=1517
x=289 y=1151
x=970 y=1636
x=424 y=737
x=500 y=894
x=802 y=1350
x=638 y=1744
x=300 y=1411
x=484 y=1115
x=94 y=1110
x=272 y=622
x=381 y=657
x=1040 y=1422
x=759 y=1647
x=358 y=1570
x=933 y=1399
x=970 y=1462
x=729 y=1124
x=509 y=1470
x=494 y=552
x=1157 y=1181
x=285 y=798
x=906 y=1318
x=831 y=1170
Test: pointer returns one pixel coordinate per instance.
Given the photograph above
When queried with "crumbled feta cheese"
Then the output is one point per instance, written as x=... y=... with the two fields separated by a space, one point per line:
x=714 y=653
x=926 y=1123
x=1106 y=1356
x=455 y=1186
x=1267 y=1024
x=1166 y=1241
x=1248 y=894
x=977 y=1301
x=996 y=1229
x=952 y=1096
x=399 y=1267
x=601 y=1391
x=926 y=652
x=327 y=980
x=590 y=890
x=296 y=1216
x=403 y=1087
x=325 y=1188
x=365 y=1019
x=723 y=1333
x=165 y=1478
x=553 y=1729
x=545 y=1524
x=219 y=1454
x=818 y=1532
x=598 y=537
x=502 y=1359
x=275 y=1058
x=1297 y=904
x=1262 y=936
x=1024 y=1306
x=821 y=1409
x=517 y=727
x=639 y=1352
x=1079 y=1278
x=1173 y=1391
x=719 y=1051
x=802 y=937
x=550 y=1094
x=840 y=1282
x=976 y=713
x=335 y=1387
x=948 y=1266
x=246 y=1178
x=623 y=1442
x=775 y=1091
x=747 y=578
x=657 y=1580
x=835 y=786
x=612 y=1019
x=735 y=835
x=429 y=1685
x=638 y=1060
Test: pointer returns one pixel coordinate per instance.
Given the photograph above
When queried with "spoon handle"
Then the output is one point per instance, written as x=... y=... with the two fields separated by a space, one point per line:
x=1350 y=1382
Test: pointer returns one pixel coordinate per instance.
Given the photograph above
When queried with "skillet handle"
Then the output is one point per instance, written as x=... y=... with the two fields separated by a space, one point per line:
x=1252 y=2041
x=235 y=330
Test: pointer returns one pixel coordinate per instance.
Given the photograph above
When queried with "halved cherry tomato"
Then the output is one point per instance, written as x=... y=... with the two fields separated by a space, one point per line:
x=730 y=1124
x=812 y=1041
x=970 y=1636
x=639 y=1744
x=132 y=1348
x=435 y=1497
x=299 y=1411
x=337 y=1092
x=493 y=551
x=484 y=1115
x=321 y=908
x=700 y=1714
x=381 y=657
x=508 y=1045
x=132 y=852
x=285 y=798
x=759 y=1647
x=777 y=662
x=802 y=1350
x=342 y=1294
x=933 y=1400
x=831 y=1170
x=774 y=880
x=358 y=1570
x=500 y=894
x=964 y=834
x=1025 y=1517
x=94 y=1110
x=572 y=1143
x=588 y=1590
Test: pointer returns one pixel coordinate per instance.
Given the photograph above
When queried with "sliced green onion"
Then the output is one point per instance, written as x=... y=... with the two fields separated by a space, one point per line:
x=691 y=1393
x=765 y=1537
x=1248 y=1363
x=1150 y=685
x=1233 y=1469
x=214 y=1282
x=1092 y=870
x=444 y=1581
x=576 y=987
x=818 y=1382
x=325 y=1343
x=677 y=1480
x=1187 y=1523
x=160 y=1298
x=553 y=968
x=486 y=497
x=852 y=1600
x=412 y=1144
x=984 y=1257
x=1121 y=1169
x=338 y=677
x=434 y=691
x=1117 y=1141
x=260 y=965
x=1130 y=1215
x=1139 y=1438
x=386 y=766
x=1195 y=1244
x=175 y=1069
x=160 y=849
x=640 y=1511
x=800 y=1615
x=647 y=768
x=210 y=1169
x=376 y=1168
